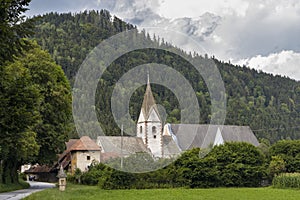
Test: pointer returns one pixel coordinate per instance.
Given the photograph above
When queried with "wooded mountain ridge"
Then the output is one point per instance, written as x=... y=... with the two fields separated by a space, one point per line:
x=269 y=104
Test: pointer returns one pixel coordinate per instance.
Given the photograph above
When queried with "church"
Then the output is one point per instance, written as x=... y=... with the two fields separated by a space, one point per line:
x=165 y=141
x=153 y=137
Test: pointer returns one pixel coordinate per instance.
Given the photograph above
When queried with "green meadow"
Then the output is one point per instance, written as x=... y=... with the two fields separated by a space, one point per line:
x=93 y=193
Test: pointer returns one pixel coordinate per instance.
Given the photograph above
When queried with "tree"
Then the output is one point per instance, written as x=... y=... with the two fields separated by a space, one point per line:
x=240 y=164
x=35 y=111
x=55 y=108
x=289 y=151
x=234 y=164
x=19 y=115
x=13 y=28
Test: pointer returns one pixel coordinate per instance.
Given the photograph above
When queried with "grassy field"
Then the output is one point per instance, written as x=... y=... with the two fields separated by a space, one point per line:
x=93 y=193
x=11 y=187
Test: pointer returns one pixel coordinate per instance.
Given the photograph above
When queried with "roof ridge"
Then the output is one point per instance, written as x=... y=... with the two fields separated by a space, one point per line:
x=84 y=143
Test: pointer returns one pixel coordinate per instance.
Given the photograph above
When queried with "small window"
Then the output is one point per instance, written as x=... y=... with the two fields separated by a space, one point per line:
x=88 y=157
x=154 y=136
x=141 y=129
x=153 y=129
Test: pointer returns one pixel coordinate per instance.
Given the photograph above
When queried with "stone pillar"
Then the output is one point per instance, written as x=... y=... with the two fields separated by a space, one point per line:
x=62 y=179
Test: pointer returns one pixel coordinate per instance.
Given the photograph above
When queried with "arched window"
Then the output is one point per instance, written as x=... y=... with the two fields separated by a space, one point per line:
x=141 y=129
x=153 y=129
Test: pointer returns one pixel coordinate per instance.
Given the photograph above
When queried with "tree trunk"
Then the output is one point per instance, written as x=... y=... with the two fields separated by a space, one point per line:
x=1 y=171
x=9 y=172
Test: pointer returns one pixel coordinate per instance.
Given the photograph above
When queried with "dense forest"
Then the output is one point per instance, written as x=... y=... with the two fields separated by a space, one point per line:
x=269 y=104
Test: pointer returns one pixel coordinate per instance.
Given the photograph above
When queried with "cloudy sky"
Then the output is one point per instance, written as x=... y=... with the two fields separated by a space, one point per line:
x=262 y=34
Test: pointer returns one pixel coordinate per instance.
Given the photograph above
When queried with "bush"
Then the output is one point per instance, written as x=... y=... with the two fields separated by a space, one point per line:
x=230 y=165
x=76 y=177
x=289 y=151
x=234 y=164
x=287 y=180
x=23 y=176
x=276 y=166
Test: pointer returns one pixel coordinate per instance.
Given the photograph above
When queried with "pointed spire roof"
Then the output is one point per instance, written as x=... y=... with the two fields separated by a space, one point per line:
x=149 y=101
x=61 y=173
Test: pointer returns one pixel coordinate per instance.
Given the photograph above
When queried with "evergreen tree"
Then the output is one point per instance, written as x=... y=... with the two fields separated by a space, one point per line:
x=13 y=28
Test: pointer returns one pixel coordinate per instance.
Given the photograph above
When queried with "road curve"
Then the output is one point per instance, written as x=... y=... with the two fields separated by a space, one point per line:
x=19 y=194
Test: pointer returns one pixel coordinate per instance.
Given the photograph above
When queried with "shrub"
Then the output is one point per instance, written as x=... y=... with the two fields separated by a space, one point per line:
x=23 y=176
x=287 y=180
x=76 y=178
x=229 y=165
x=234 y=164
x=289 y=151
x=276 y=167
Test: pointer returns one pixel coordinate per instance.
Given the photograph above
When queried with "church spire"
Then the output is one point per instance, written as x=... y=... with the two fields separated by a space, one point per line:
x=149 y=125
x=148 y=79
x=149 y=101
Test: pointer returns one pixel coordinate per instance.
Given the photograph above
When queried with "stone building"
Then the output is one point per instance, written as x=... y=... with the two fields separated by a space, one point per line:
x=80 y=153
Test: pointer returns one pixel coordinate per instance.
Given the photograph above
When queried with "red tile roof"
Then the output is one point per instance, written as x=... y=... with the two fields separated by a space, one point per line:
x=85 y=143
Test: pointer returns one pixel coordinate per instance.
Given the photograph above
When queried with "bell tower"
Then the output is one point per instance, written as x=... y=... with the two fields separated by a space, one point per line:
x=149 y=125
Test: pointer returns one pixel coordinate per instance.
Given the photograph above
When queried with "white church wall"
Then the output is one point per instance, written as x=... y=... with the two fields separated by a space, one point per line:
x=141 y=131
x=154 y=140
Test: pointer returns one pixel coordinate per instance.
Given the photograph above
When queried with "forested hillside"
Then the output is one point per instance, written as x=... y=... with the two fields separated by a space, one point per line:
x=269 y=104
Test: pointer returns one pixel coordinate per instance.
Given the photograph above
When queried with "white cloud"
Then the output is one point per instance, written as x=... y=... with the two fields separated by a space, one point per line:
x=192 y=8
x=229 y=29
x=284 y=63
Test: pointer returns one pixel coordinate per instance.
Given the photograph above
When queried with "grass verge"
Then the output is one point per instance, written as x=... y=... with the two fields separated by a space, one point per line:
x=94 y=193
x=11 y=187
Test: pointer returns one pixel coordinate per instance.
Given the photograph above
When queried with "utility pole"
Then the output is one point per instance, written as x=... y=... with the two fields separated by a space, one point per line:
x=122 y=147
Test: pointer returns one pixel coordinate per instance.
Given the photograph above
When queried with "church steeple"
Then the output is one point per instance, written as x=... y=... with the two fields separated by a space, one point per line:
x=149 y=101
x=149 y=125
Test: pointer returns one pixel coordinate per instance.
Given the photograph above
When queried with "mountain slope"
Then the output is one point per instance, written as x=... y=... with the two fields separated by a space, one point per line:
x=269 y=104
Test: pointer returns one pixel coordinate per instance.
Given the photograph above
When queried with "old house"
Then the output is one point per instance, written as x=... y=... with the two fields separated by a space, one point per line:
x=43 y=173
x=80 y=153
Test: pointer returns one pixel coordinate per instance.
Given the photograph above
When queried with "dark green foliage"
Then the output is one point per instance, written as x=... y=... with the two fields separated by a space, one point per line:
x=289 y=151
x=229 y=165
x=35 y=111
x=19 y=116
x=15 y=186
x=108 y=178
x=13 y=28
x=287 y=180
x=55 y=108
x=70 y=37
x=240 y=164
x=200 y=173
x=119 y=180
x=23 y=176
x=276 y=166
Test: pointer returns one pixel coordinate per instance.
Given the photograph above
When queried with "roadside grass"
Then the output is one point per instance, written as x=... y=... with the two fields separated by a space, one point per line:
x=11 y=187
x=94 y=193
